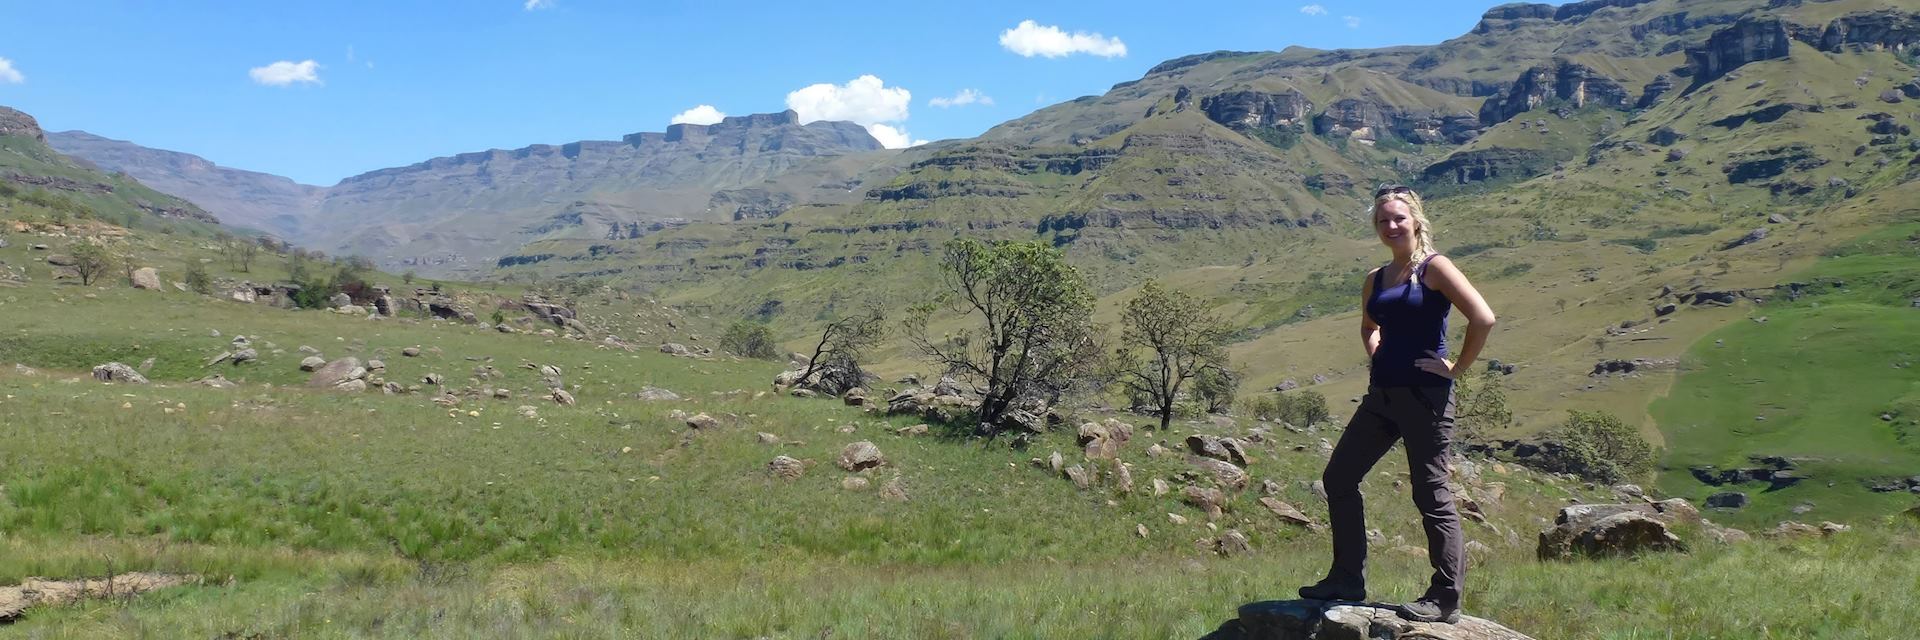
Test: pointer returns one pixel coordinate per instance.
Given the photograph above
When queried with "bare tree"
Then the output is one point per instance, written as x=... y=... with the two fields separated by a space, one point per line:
x=1181 y=341
x=842 y=343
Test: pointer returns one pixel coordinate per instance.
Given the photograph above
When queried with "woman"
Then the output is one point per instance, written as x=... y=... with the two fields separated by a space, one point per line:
x=1403 y=325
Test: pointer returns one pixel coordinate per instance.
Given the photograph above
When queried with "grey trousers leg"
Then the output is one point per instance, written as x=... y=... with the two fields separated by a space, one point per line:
x=1423 y=417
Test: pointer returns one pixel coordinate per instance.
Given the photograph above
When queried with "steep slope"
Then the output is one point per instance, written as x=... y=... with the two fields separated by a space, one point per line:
x=238 y=197
x=34 y=175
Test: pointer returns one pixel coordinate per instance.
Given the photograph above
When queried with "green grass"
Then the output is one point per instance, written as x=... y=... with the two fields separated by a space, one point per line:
x=1820 y=371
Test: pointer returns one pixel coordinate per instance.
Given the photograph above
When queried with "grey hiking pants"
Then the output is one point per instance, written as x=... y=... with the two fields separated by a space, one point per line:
x=1423 y=418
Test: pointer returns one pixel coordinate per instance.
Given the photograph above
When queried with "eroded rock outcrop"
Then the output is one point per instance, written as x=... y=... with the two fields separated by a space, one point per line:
x=1751 y=39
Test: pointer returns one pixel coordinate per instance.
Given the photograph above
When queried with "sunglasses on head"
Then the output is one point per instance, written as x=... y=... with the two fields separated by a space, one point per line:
x=1397 y=188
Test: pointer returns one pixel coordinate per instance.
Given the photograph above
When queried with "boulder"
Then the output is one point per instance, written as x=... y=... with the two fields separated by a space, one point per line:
x=894 y=490
x=312 y=363
x=146 y=278
x=1232 y=543
x=117 y=372
x=1217 y=448
x=561 y=397
x=1615 y=529
x=1212 y=501
x=786 y=468
x=1103 y=440
x=855 y=483
x=860 y=456
x=1229 y=475
x=339 y=300
x=1318 y=620
x=217 y=381
x=337 y=373
x=411 y=352
x=655 y=394
x=855 y=397
x=703 y=421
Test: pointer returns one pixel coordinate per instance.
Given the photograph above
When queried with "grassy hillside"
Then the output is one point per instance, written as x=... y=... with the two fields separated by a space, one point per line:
x=316 y=514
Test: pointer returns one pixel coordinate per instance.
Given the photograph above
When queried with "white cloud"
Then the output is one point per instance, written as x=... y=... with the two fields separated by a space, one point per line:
x=866 y=101
x=965 y=97
x=1314 y=10
x=535 y=5
x=1029 y=39
x=890 y=137
x=285 y=73
x=8 y=74
x=1353 y=22
x=703 y=114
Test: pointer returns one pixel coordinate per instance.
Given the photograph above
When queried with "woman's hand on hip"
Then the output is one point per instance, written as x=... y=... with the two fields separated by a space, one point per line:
x=1435 y=365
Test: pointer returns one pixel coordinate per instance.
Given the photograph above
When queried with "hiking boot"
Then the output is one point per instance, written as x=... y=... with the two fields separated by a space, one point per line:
x=1330 y=589
x=1424 y=610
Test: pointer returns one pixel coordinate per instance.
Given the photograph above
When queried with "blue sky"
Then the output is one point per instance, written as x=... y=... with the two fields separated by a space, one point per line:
x=393 y=83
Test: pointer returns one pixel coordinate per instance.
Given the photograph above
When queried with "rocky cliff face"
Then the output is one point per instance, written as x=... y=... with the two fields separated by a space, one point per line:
x=1573 y=84
x=1748 y=40
x=240 y=198
x=17 y=123
x=1888 y=29
x=1254 y=109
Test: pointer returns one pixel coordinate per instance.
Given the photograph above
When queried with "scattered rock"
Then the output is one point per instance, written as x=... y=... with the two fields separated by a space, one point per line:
x=1232 y=543
x=312 y=363
x=217 y=381
x=1210 y=500
x=561 y=397
x=1103 y=440
x=32 y=592
x=854 y=483
x=1078 y=474
x=146 y=278
x=1753 y=236
x=1727 y=500
x=1223 y=449
x=703 y=421
x=767 y=438
x=860 y=456
x=1617 y=529
x=1226 y=473
x=1287 y=513
x=337 y=374
x=894 y=490
x=787 y=468
x=411 y=352
x=117 y=372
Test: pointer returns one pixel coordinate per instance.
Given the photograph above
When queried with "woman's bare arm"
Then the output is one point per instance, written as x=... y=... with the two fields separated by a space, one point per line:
x=1446 y=278
x=1369 y=330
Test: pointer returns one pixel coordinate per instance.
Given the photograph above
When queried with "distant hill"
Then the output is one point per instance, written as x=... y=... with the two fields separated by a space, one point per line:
x=238 y=197
x=459 y=214
x=34 y=174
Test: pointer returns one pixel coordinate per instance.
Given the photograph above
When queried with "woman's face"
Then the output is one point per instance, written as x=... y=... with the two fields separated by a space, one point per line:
x=1395 y=225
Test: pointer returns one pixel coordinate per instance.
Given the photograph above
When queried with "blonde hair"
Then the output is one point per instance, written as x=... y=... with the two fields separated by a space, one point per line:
x=1423 y=237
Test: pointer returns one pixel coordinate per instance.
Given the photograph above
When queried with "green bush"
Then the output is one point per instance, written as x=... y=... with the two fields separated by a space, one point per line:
x=197 y=278
x=1598 y=446
x=751 y=340
x=1299 y=408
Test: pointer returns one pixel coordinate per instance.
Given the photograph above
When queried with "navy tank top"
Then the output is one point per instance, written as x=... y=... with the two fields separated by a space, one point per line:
x=1413 y=321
